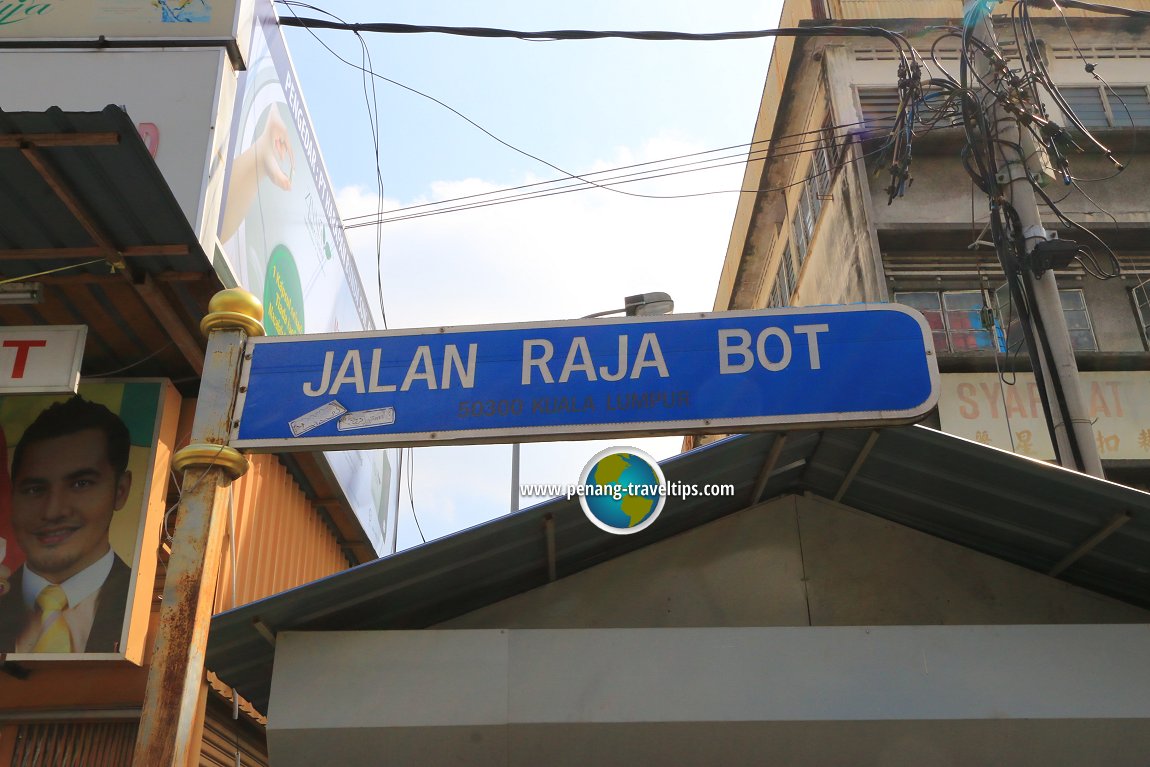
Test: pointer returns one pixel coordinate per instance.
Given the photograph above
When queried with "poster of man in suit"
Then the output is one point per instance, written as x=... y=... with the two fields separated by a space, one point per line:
x=71 y=512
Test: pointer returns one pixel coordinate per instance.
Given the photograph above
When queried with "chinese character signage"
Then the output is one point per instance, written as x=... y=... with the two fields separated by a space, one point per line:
x=983 y=408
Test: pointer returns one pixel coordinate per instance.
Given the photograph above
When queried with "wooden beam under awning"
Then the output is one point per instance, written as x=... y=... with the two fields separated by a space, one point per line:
x=189 y=343
x=136 y=251
x=22 y=140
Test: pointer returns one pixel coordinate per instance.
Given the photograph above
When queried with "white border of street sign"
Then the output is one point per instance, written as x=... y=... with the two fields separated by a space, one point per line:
x=348 y=421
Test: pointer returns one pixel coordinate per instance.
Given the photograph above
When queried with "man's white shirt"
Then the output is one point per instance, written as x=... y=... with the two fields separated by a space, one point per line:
x=81 y=589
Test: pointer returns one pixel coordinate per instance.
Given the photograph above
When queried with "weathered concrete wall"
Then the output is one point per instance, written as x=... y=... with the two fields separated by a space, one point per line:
x=922 y=695
x=943 y=194
x=841 y=265
x=798 y=561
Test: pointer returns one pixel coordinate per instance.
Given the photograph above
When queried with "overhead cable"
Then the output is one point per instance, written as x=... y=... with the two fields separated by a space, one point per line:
x=556 y=35
x=1096 y=7
x=567 y=183
x=773 y=140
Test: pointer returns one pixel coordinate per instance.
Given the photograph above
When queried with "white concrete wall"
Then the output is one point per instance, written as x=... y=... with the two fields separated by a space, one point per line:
x=748 y=695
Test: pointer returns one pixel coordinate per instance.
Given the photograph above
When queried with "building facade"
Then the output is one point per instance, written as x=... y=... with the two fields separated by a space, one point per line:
x=818 y=224
x=120 y=223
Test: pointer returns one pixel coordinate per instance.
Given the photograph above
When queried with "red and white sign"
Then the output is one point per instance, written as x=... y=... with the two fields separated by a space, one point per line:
x=41 y=360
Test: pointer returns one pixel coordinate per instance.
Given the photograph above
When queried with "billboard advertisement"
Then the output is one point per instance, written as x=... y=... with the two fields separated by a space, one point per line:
x=90 y=19
x=80 y=509
x=281 y=233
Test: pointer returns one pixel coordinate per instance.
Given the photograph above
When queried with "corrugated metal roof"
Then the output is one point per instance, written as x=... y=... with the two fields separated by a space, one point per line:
x=1023 y=511
x=80 y=192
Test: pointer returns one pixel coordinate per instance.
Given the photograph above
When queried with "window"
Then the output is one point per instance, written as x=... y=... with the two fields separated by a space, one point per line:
x=1078 y=320
x=879 y=108
x=958 y=319
x=1073 y=309
x=1122 y=105
x=787 y=275
x=805 y=218
x=815 y=189
x=824 y=162
x=785 y=280
x=778 y=296
x=1141 y=294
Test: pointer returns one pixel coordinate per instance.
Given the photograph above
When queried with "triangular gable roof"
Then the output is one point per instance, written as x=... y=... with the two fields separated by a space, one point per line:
x=1088 y=532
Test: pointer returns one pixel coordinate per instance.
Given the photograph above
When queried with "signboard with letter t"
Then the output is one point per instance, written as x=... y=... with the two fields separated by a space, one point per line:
x=41 y=359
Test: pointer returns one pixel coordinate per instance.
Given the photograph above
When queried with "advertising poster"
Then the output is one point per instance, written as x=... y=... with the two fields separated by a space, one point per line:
x=282 y=234
x=77 y=541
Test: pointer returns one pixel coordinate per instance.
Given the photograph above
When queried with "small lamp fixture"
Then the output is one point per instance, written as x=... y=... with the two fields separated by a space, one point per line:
x=642 y=305
x=21 y=293
x=648 y=304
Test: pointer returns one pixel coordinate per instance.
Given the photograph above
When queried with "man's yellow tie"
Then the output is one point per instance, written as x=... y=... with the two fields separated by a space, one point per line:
x=55 y=635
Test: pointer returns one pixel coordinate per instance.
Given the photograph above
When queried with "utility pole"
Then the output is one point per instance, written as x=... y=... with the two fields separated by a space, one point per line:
x=1051 y=353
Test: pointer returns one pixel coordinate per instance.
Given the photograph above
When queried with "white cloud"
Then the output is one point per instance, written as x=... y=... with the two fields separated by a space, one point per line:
x=558 y=257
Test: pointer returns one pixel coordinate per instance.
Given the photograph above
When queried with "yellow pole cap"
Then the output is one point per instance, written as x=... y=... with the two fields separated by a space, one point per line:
x=234 y=309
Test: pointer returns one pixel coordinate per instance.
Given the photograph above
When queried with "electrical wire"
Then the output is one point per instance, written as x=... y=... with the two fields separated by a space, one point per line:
x=1018 y=94
x=910 y=66
x=138 y=362
x=902 y=46
x=367 y=74
x=465 y=118
x=373 y=119
x=1099 y=8
x=23 y=277
x=979 y=158
x=747 y=155
x=578 y=187
x=575 y=187
x=411 y=492
x=1029 y=42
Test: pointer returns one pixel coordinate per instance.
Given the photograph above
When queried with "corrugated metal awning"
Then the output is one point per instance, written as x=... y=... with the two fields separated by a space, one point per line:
x=87 y=213
x=1089 y=532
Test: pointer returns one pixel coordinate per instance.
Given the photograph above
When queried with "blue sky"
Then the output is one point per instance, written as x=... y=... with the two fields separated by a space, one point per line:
x=581 y=105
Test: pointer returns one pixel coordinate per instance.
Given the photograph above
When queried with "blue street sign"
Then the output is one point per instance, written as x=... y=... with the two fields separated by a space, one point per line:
x=585 y=379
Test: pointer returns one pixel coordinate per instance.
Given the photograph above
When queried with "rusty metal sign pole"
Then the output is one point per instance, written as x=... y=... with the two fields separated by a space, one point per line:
x=171 y=700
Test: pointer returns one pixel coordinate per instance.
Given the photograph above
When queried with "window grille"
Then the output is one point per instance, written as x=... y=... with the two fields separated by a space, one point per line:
x=1073 y=309
x=958 y=319
x=1141 y=296
x=879 y=107
x=1118 y=107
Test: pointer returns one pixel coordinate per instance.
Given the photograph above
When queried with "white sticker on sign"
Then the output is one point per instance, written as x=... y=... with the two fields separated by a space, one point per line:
x=361 y=419
x=316 y=418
